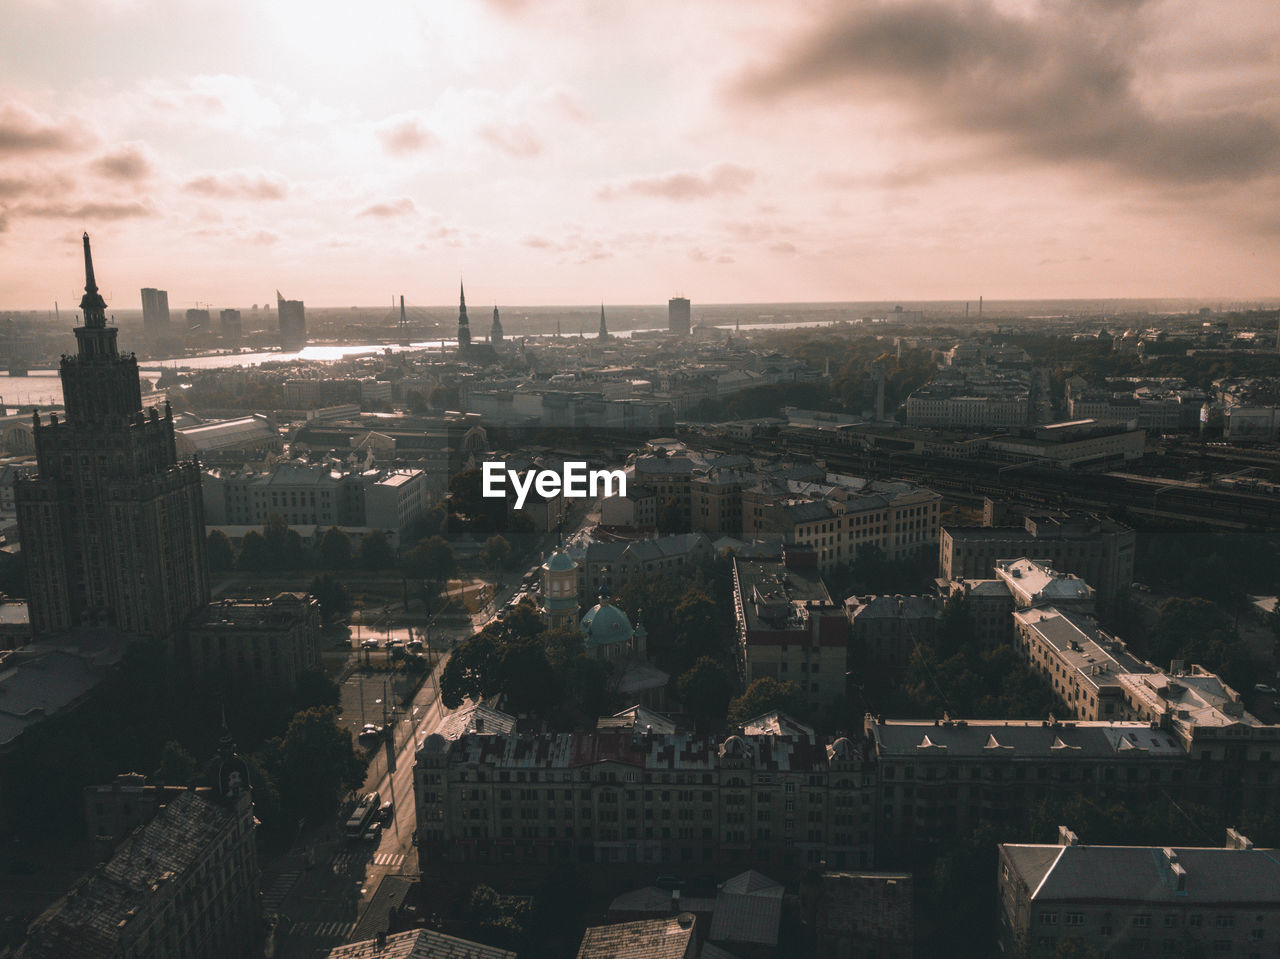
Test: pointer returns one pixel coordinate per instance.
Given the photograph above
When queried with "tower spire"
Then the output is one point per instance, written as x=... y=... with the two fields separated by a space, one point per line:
x=92 y=303
x=604 y=330
x=464 y=325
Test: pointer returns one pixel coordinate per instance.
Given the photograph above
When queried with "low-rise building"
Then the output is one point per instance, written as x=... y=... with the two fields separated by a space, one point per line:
x=884 y=630
x=1085 y=666
x=1124 y=901
x=860 y=915
x=417 y=944
x=1034 y=583
x=787 y=626
x=265 y=642
x=185 y=884
x=670 y=938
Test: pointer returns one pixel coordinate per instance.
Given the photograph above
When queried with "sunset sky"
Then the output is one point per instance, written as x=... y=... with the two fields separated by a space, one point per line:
x=572 y=152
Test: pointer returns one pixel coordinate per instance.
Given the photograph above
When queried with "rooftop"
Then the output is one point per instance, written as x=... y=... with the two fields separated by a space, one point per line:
x=647 y=939
x=1146 y=874
x=1019 y=739
x=418 y=944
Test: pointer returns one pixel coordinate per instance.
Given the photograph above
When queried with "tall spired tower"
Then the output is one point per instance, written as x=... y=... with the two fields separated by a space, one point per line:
x=112 y=526
x=604 y=330
x=495 y=332
x=464 y=325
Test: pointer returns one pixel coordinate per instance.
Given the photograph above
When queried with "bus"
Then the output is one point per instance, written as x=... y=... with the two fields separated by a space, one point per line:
x=363 y=815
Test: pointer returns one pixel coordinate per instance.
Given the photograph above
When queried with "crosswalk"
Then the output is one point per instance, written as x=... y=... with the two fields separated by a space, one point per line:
x=343 y=861
x=334 y=929
x=275 y=893
x=393 y=859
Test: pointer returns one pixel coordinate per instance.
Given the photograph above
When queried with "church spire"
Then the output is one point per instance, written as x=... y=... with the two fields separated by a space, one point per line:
x=464 y=325
x=92 y=303
x=604 y=330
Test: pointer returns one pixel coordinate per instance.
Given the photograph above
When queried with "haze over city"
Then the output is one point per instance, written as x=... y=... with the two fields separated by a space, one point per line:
x=568 y=153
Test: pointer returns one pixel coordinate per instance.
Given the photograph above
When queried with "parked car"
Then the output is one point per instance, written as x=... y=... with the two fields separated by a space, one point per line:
x=414 y=646
x=387 y=811
x=374 y=832
x=369 y=644
x=370 y=731
x=1264 y=688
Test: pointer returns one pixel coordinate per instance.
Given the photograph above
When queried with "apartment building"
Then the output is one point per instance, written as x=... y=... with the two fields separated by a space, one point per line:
x=1123 y=901
x=886 y=629
x=639 y=797
x=1097 y=549
x=787 y=626
x=1085 y=665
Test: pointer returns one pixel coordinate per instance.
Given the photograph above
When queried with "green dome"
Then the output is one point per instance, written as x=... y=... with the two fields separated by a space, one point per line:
x=559 y=562
x=605 y=624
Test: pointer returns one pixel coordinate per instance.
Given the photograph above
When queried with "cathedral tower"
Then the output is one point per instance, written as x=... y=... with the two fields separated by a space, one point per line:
x=112 y=526
x=464 y=325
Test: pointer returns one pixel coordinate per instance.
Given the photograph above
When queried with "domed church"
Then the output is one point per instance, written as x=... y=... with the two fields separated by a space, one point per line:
x=608 y=634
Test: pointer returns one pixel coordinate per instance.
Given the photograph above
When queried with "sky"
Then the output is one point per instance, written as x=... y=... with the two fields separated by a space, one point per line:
x=560 y=152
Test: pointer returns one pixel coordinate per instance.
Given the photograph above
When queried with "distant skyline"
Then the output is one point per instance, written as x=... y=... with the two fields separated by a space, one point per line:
x=555 y=152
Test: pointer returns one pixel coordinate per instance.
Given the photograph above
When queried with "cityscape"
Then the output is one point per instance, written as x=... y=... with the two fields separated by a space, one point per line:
x=736 y=576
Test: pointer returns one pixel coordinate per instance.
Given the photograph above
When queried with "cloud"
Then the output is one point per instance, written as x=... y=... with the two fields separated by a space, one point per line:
x=724 y=178
x=538 y=243
x=783 y=247
x=87 y=211
x=239 y=185
x=405 y=134
x=24 y=131
x=400 y=206
x=513 y=139
x=1052 y=86
x=128 y=162
x=223 y=101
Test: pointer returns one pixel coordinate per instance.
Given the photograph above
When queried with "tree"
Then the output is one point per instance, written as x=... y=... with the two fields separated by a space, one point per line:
x=331 y=595
x=445 y=398
x=671 y=517
x=316 y=689
x=222 y=555
x=255 y=557
x=705 y=691
x=431 y=559
x=473 y=671
x=527 y=679
x=335 y=549
x=375 y=551
x=317 y=760
x=767 y=694
x=695 y=627
x=496 y=552
x=177 y=766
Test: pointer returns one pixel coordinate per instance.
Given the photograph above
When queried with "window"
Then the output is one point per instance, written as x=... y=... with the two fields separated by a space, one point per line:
x=1048 y=919
x=1074 y=919
x=1142 y=921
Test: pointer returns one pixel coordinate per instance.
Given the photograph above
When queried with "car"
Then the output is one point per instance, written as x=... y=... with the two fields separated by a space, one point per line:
x=387 y=811
x=414 y=646
x=369 y=644
x=374 y=832
x=370 y=731
x=1264 y=688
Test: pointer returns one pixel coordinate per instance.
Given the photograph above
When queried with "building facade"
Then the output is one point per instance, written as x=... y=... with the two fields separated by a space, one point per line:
x=268 y=643
x=155 y=314
x=112 y=526
x=643 y=798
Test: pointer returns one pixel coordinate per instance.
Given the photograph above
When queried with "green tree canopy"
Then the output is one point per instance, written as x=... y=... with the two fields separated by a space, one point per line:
x=432 y=559
x=335 y=549
x=255 y=557
x=496 y=552
x=331 y=595
x=766 y=694
x=222 y=555
x=318 y=760
x=375 y=551
x=706 y=690
x=177 y=766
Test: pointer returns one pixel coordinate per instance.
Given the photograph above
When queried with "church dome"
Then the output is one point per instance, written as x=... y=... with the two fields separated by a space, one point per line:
x=605 y=624
x=559 y=562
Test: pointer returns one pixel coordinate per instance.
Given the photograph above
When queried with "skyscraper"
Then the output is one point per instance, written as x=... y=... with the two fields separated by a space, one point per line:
x=155 y=314
x=604 y=330
x=495 y=332
x=112 y=525
x=464 y=325
x=292 y=317
x=678 y=316
x=198 y=321
x=231 y=328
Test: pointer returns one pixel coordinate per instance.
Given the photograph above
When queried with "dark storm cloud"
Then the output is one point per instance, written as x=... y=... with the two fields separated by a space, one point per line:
x=127 y=163
x=239 y=185
x=1056 y=86
x=22 y=131
x=725 y=178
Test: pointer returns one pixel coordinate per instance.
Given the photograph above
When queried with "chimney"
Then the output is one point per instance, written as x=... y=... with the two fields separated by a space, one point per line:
x=1066 y=837
x=1237 y=840
x=675 y=902
x=380 y=942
